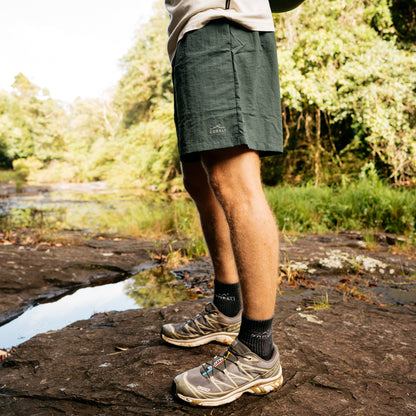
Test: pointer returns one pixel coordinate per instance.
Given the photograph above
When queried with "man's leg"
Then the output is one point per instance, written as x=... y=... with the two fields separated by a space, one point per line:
x=234 y=176
x=213 y=222
x=217 y=237
x=220 y=321
x=252 y=363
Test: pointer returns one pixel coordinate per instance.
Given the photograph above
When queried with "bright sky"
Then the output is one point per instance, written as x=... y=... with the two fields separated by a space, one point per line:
x=70 y=47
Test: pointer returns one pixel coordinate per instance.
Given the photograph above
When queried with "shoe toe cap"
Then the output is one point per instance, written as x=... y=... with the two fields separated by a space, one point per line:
x=186 y=384
x=167 y=330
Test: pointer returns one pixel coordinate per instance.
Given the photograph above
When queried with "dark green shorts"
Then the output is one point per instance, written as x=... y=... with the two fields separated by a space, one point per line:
x=226 y=87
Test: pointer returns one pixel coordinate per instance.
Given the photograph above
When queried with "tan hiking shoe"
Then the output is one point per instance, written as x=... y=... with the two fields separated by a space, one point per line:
x=228 y=376
x=209 y=325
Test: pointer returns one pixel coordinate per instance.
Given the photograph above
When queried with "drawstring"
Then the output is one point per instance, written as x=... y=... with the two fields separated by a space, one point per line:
x=227 y=4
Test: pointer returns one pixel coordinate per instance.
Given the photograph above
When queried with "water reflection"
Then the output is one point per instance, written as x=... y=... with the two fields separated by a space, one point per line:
x=152 y=287
x=156 y=287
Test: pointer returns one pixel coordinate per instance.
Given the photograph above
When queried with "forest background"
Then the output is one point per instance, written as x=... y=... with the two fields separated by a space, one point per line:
x=348 y=82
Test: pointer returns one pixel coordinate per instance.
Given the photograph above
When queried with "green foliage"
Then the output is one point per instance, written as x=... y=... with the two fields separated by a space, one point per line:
x=146 y=82
x=90 y=138
x=28 y=218
x=197 y=247
x=323 y=303
x=367 y=204
x=21 y=173
x=31 y=123
x=147 y=153
x=18 y=175
x=348 y=76
x=347 y=90
x=15 y=131
x=129 y=141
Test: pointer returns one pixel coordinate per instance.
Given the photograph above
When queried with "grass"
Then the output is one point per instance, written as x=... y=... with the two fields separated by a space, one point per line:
x=366 y=205
x=7 y=175
x=196 y=248
x=349 y=290
x=363 y=206
x=323 y=303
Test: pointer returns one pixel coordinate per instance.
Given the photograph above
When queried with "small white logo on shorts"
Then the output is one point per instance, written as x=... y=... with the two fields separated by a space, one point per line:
x=217 y=129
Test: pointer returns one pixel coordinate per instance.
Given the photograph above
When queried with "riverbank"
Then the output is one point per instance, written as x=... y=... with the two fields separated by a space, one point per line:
x=345 y=325
x=33 y=272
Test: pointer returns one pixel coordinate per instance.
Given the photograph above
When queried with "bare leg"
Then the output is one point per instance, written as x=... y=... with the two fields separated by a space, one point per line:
x=213 y=222
x=234 y=176
x=252 y=359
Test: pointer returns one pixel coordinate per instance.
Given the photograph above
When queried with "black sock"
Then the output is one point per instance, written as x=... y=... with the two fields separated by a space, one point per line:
x=227 y=298
x=258 y=336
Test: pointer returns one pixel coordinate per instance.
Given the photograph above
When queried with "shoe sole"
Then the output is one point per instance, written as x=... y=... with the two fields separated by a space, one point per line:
x=222 y=337
x=258 y=387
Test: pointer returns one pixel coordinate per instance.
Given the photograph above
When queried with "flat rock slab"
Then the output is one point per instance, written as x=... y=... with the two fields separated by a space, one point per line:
x=34 y=273
x=354 y=358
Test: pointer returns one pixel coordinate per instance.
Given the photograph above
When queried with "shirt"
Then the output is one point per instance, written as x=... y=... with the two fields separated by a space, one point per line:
x=187 y=15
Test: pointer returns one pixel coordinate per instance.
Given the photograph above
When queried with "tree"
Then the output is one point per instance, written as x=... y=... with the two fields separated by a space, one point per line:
x=89 y=138
x=347 y=92
x=146 y=139
x=348 y=76
x=31 y=123
x=146 y=81
x=404 y=19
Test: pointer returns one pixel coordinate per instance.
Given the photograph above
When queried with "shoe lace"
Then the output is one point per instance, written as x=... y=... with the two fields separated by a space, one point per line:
x=220 y=363
x=200 y=317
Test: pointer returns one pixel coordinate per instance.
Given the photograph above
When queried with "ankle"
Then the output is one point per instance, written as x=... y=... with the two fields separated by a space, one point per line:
x=227 y=298
x=258 y=336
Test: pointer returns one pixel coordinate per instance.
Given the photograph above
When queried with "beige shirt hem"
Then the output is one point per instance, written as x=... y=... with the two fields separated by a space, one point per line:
x=258 y=22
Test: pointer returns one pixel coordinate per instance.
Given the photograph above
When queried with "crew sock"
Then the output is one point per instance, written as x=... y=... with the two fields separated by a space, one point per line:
x=227 y=298
x=258 y=336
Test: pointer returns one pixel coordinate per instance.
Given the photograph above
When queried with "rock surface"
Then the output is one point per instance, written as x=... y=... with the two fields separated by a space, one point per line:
x=351 y=359
x=34 y=273
x=356 y=357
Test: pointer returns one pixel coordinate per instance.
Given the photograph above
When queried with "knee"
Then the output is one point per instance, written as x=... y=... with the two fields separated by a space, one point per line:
x=219 y=183
x=227 y=188
x=234 y=188
x=233 y=174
